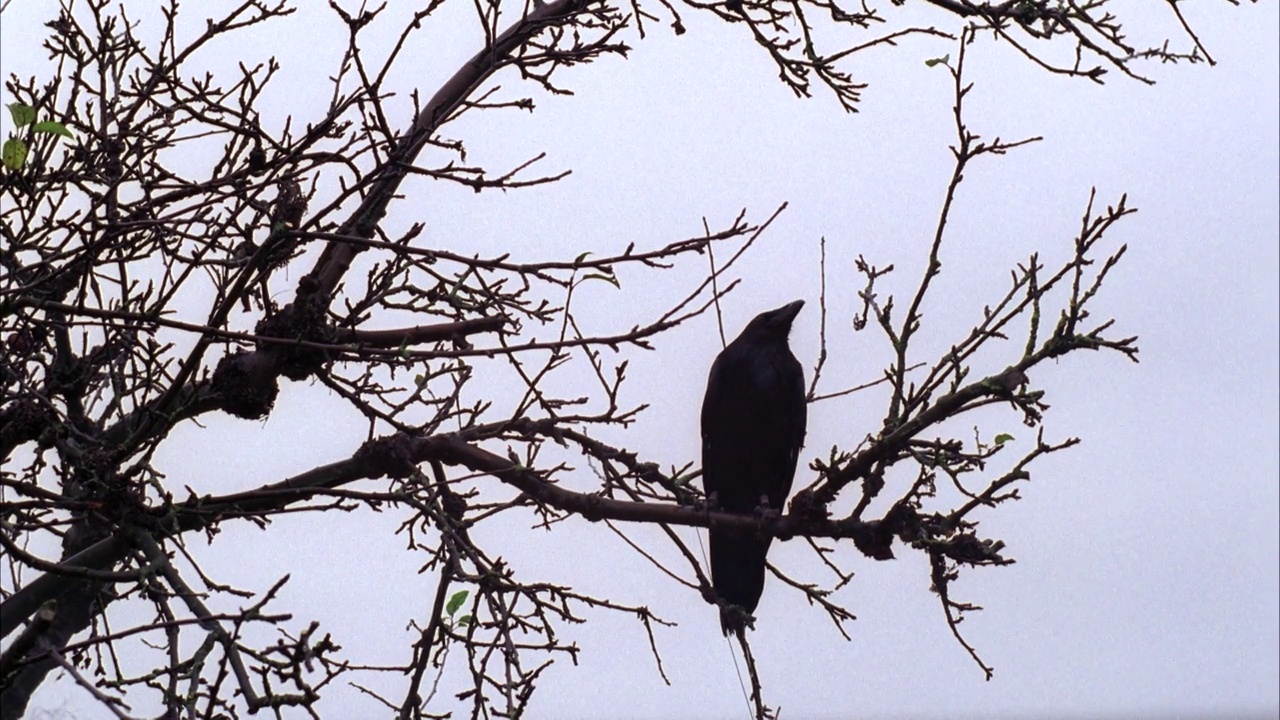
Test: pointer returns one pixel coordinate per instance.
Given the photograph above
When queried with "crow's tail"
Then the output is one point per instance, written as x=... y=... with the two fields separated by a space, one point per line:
x=737 y=574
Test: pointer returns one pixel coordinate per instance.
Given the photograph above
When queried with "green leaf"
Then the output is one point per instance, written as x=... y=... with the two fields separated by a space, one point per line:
x=455 y=602
x=14 y=153
x=22 y=114
x=464 y=621
x=938 y=61
x=1003 y=438
x=51 y=127
x=606 y=278
x=581 y=257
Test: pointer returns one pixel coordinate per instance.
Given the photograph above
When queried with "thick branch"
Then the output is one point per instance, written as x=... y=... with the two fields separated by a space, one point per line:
x=337 y=257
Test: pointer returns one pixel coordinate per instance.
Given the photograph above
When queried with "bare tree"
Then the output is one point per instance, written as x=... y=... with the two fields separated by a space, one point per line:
x=139 y=296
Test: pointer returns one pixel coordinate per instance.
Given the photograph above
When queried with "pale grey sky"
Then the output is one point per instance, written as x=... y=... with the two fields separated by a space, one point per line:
x=1148 y=571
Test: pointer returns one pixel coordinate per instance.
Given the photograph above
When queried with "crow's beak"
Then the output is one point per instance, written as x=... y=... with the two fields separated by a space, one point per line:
x=788 y=312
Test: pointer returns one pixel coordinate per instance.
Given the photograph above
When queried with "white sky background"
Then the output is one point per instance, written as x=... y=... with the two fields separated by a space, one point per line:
x=1147 y=576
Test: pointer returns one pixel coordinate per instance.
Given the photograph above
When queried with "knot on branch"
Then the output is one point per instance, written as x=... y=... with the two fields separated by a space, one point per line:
x=1006 y=383
x=246 y=384
x=388 y=457
x=454 y=505
x=591 y=509
x=289 y=207
x=93 y=473
x=972 y=550
x=21 y=421
x=875 y=539
x=809 y=507
x=939 y=536
x=303 y=320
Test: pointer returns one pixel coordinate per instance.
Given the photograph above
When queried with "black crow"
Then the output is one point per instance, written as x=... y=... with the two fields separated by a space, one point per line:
x=753 y=423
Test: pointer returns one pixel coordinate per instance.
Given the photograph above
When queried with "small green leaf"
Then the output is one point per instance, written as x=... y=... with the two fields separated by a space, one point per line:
x=455 y=602
x=606 y=278
x=581 y=257
x=938 y=61
x=14 y=153
x=464 y=621
x=1003 y=438
x=22 y=114
x=51 y=127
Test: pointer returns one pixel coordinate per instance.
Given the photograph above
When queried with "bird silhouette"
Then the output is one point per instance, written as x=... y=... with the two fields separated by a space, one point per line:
x=753 y=425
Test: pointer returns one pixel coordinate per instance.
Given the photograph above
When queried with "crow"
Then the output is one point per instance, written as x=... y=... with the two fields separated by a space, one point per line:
x=753 y=424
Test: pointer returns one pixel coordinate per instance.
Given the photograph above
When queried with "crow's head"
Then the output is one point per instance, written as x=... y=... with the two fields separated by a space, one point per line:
x=774 y=324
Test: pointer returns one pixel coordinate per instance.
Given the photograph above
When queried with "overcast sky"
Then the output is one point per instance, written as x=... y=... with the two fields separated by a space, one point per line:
x=1148 y=557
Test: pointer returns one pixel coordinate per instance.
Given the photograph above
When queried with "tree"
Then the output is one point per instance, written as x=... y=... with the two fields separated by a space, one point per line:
x=145 y=292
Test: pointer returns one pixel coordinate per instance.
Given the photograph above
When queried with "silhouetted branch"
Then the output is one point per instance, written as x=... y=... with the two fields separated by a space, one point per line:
x=139 y=292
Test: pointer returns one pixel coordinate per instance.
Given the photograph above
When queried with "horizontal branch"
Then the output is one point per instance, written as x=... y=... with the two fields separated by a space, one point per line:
x=397 y=456
x=400 y=337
